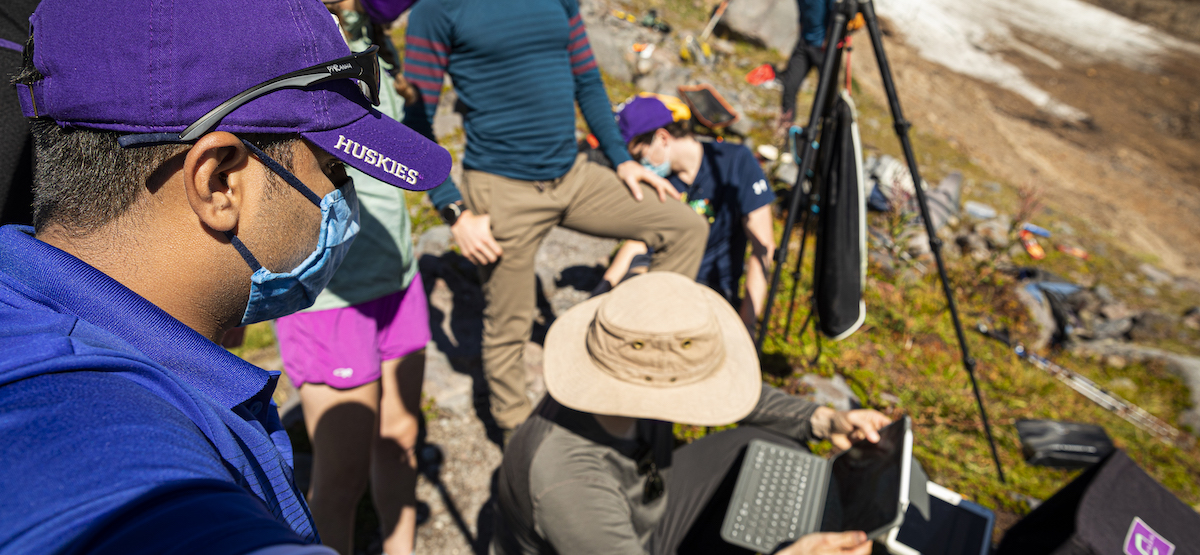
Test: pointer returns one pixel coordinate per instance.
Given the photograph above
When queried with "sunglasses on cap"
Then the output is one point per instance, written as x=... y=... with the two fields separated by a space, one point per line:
x=361 y=67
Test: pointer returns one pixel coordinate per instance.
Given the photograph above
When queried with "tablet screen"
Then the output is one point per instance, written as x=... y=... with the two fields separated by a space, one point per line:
x=864 y=488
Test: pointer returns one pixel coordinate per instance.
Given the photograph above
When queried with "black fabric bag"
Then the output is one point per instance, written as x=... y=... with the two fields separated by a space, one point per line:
x=841 y=254
x=1111 y=508
x=1063 y=444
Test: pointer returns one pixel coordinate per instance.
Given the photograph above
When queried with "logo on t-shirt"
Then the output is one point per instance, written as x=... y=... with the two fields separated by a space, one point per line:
x=1143 y=540
x=760 y=186
x=343 y=373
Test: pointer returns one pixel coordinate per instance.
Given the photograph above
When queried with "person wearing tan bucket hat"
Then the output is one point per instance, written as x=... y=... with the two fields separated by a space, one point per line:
x=594 y=469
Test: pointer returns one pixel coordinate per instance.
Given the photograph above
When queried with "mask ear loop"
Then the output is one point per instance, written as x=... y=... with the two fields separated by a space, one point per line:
x=242 y=250
x=290 y=179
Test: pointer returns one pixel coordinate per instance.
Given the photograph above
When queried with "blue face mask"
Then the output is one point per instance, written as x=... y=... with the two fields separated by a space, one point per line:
x=661 y=170
x=273 y=295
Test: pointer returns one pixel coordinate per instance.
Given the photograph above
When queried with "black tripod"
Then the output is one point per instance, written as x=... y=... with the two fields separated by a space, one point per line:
x=822 y=112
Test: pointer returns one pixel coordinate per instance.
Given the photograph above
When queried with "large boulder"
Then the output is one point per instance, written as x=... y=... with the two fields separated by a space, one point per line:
x=771 y=23
x=610 y=38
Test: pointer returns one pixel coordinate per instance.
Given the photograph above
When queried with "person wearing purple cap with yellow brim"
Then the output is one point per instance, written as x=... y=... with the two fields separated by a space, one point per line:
x=189 y=178
x=720 y=181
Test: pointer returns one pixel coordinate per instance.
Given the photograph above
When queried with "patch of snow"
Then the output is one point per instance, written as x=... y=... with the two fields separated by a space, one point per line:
x=967 y=36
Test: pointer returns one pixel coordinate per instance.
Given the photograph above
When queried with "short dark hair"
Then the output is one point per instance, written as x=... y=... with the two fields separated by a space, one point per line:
x=83 y=179
x=677 y=129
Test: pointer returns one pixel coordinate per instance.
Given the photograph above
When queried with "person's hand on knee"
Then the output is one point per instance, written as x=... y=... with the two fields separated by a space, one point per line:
x=473 y=234
x=829 y=543
x=633 y=174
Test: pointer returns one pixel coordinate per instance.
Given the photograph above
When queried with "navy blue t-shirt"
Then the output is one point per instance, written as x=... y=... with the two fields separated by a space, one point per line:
x=728 y=186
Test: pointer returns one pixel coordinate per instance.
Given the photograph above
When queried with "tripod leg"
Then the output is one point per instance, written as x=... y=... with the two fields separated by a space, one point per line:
x=822 y=108
x=935 y=244
x=804 y=222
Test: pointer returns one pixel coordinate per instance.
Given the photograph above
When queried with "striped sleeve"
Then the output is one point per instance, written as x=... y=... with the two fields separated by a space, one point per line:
x=578 y=47
x=427 y=52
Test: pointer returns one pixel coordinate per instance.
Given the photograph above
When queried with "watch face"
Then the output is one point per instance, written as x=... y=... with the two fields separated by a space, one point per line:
x=451 y=212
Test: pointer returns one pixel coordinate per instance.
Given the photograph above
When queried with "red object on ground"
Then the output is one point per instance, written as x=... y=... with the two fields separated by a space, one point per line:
x=1073 y=251
x=760 y=75
x=1031 y=245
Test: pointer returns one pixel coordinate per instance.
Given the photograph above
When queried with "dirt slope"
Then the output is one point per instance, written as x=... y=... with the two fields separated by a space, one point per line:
x=1133 y=169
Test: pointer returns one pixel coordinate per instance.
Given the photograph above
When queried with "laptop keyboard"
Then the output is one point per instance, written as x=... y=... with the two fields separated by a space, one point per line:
x=775 y=497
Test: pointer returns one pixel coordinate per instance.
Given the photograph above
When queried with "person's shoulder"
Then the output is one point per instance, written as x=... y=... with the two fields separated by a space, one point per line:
x=108 y=414
x=732 y=151
x=434 y=11
x=79 y=445
x=564 y=458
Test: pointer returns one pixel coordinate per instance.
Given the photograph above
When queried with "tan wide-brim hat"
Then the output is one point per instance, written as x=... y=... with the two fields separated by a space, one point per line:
x=659 y=346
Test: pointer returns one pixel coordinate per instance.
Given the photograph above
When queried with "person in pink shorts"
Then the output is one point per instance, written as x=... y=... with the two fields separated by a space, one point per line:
x=358 y=354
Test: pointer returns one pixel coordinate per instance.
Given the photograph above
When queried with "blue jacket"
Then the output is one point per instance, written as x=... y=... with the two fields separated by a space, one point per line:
x=120 y=426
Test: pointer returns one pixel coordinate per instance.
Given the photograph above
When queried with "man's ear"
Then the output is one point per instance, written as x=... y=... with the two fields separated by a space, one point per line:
x=663 y=134
x=216 y=179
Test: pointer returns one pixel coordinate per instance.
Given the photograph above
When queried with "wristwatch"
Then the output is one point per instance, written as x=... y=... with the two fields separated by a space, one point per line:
x=451 y=212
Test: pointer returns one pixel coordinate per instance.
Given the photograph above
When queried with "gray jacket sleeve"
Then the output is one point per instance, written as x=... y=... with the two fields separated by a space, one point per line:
x=782 y=413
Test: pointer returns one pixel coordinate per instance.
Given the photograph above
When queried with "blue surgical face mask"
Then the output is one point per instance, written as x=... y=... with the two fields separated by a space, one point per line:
x=661 y=170
x=272 y=294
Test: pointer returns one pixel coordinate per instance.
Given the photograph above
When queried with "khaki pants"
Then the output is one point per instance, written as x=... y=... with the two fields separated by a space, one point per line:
x=590 y=199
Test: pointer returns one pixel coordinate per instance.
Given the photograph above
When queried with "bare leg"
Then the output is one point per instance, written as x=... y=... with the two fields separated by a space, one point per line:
x=621 y=261
x=394 y=460
x=342 y=424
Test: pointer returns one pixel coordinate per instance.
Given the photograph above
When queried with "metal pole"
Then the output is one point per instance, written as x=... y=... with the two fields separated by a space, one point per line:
x=902 y=125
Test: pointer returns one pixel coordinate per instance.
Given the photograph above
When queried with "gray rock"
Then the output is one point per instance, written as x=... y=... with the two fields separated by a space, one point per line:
x=1114 y=311
x=1105 y=294
x=1015 y=251
x=1111 y=329
x=1152 y=326
x=434 y=241
x=1187 y=284
x=446 y=119
x=996 y=231
x=771 y=23
x=1148 y=291
x=1155 y=275
x=666 y=79
x=1191 y=318
x=972 y=243
x=609 y=38
x=833 y=392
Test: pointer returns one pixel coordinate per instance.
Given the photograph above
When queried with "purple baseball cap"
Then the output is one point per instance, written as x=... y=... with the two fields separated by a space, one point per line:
x=386 y=11
x=141 y=66
x=642 y=114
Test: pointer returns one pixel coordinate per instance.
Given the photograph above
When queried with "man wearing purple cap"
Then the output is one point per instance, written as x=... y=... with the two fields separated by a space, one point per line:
x=189 y=179
x=520 y=68
x=720 y=181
